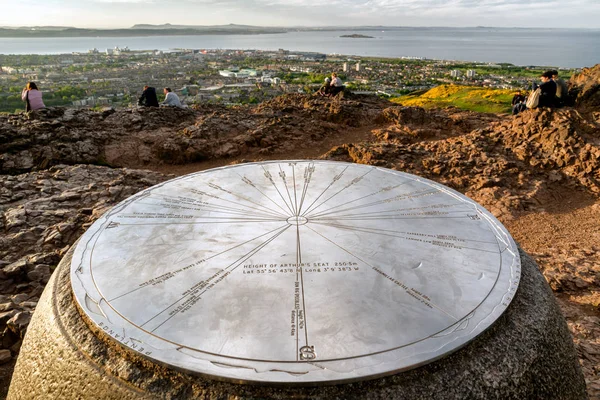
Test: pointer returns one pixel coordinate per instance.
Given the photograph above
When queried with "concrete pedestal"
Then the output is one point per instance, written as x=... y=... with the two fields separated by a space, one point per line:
x=527 y=354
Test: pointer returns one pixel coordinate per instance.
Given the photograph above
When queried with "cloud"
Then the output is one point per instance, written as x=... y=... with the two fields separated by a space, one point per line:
x=533 y=13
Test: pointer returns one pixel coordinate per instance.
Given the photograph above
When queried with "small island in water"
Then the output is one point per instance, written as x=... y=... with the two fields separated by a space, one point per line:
x=357 y=36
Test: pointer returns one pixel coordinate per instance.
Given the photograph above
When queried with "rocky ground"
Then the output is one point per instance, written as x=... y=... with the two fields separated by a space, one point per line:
x=538 y=172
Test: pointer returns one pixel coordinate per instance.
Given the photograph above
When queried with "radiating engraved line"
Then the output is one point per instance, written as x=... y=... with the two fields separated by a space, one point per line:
x=433 y=207
x=308 y=171
x=385 y=189
x=227 y=221
x=239 y=262
x=212 y=185
x=206 y=259
x=401 y=197
x=205 y=206
x=299 y=261
x=249 y=182
x=301 y=276
x=198 y=207
x=385 y=217
x=350 y=184
x=334 y=180
x=293 y=165
x=388 y=213
x=270 y=178
x=283 y=178
x=298 y=271
x=217 y=206
x=390 y=234
x=377 y=230
x=200 y=192
x=377 y=270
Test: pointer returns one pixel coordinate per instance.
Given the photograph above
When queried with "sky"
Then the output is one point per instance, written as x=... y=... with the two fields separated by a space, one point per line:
x=460 y=13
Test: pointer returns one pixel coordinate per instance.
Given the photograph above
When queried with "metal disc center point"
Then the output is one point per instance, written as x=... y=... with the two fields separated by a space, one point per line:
x=297 y=220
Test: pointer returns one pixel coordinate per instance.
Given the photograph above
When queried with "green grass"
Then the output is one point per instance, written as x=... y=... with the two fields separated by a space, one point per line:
x=464 y=97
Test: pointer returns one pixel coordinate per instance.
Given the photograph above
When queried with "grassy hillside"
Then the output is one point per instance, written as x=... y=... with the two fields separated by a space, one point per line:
x=464 y=97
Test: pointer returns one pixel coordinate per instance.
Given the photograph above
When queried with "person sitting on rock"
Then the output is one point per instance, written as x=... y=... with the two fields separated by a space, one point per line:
x=518 y=103
x=325 y=89
x=171 y=99
x=336 y=85
x=148 y=97
x=562 y=90
x=548 y=91
x=32 y=97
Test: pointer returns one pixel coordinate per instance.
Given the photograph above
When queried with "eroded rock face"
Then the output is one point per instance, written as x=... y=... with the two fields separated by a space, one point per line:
x=504 y=165
x=585 y=86
x=42 y=214
x=144 y=136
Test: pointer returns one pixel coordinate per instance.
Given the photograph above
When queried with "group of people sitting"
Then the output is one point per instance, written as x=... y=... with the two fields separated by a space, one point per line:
x=331 y=86
x=552 y=92
x=33 y=98
x=149 y=99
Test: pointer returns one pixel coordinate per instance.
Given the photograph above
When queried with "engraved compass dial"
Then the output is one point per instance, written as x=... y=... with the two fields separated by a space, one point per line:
x=295 y=271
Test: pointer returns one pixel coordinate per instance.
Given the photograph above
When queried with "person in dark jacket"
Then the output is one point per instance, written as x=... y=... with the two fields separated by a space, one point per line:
x=562 y=90
x=518 y=103
x=548 y=90
x=148 y=97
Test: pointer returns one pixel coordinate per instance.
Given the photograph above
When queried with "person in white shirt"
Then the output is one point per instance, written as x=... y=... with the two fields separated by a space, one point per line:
x=171 y=99
x=336 y=84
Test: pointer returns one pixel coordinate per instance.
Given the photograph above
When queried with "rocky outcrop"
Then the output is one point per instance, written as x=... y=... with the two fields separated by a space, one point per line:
x=413 y=124
x=585 y=87
x=67 y=136
x=504 y=166
x=149 y=136
x=42 y=214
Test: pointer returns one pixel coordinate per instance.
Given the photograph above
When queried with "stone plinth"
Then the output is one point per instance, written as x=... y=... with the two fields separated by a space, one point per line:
x=528 y=353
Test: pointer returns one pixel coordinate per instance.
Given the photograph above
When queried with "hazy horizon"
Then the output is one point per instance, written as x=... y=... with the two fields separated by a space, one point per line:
x=113 y=14
x=293 y=26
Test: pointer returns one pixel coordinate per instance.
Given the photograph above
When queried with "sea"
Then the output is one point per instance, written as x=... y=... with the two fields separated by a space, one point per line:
x=561 y=48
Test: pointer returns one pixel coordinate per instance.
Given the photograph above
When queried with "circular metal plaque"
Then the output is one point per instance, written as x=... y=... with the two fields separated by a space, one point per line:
x=295 y=272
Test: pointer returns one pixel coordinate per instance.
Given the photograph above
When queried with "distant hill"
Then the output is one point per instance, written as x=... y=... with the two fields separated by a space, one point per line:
x=35 y=28
x=154 y=31
x=229 y=27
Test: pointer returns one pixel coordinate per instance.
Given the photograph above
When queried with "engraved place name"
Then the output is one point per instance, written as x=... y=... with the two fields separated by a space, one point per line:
x=169 y=275
x=129 y=342
x=411 y=195
x=409 y=290
x=139 y=215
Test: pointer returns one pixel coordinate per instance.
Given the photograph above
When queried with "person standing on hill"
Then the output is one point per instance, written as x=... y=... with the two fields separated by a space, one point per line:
x=548 y=91
x=171 y=99
x=148 y=97
x=32 y=97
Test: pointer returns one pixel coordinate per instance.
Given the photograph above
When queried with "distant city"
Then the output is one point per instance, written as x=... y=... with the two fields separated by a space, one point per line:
x=115 y=77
